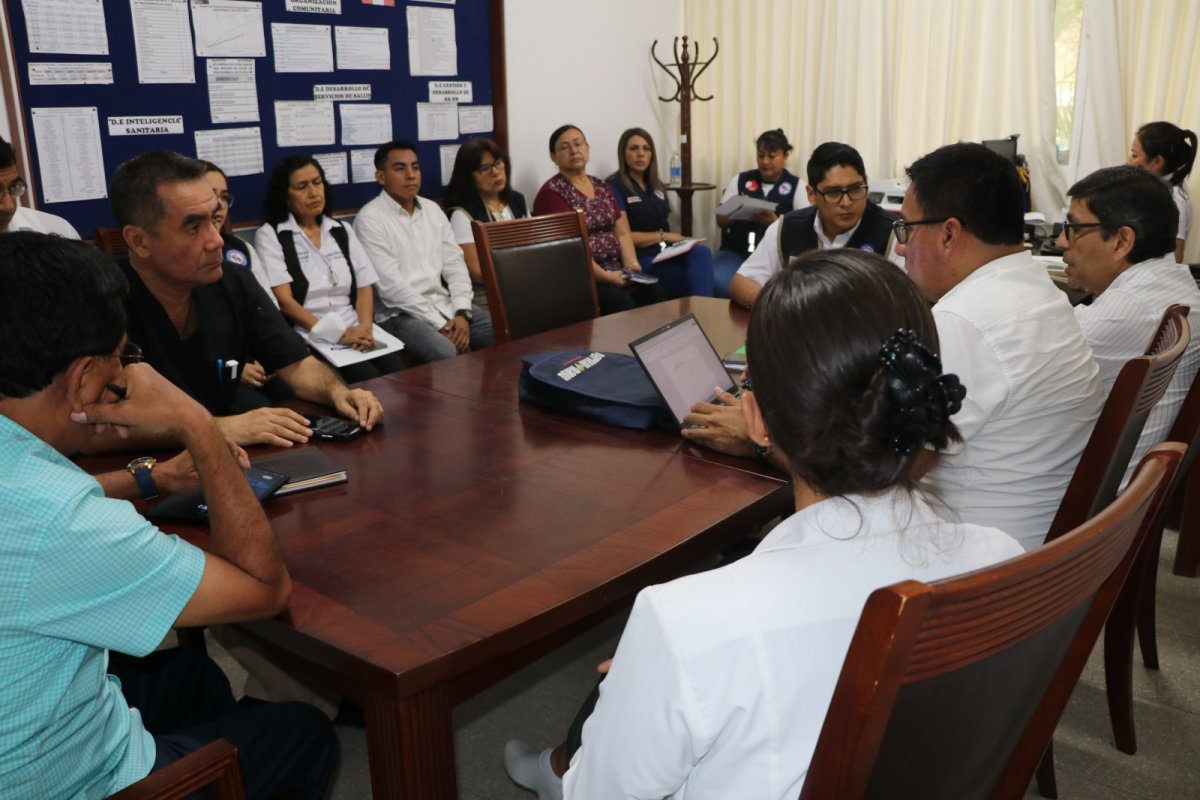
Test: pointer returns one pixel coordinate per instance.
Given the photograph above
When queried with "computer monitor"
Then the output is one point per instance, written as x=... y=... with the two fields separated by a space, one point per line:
x=1005 y=147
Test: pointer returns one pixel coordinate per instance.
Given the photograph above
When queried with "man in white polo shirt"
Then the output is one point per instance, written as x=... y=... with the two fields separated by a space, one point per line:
x=19 y=218
x=1119 y=244
x=1033 y=389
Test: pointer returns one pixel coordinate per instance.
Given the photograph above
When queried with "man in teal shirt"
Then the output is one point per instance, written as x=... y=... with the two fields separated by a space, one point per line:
x=82 y=573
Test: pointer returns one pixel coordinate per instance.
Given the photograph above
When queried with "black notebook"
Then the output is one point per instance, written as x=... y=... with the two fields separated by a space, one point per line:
x=191 y=506
x=306 y=468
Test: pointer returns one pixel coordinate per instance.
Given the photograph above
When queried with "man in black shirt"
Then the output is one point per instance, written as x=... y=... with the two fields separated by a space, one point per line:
x=199 y=324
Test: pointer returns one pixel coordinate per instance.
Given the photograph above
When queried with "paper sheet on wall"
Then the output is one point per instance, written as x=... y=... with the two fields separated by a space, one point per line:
x=303 y=123
x=362 y=48
x=432 y=48
x=45 y=74
x=362 y=165
x=314 y=6
x=450 y=91
x=237 y=151
x=145 y=125
x=366 y=123
x=342 y=91
x=437 y=121
x=70 y=160
x=228 y=28
x=335 y=167
x=66 y=26
x=447 y=153
x=232 y=93
x=163 y=41
x=302 y=48
x=474 y=119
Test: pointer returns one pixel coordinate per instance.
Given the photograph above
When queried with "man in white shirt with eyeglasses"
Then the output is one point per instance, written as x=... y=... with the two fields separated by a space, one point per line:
x=14 y=217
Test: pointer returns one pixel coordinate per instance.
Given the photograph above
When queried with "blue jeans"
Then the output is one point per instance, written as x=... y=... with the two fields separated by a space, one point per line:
x=725 y=266
x=425 y=343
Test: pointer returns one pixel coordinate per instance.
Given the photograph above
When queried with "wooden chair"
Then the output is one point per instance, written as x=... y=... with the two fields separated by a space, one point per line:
x=111 y=242
x=215 y=765
x=537 y=272
x=1140 y=384
x=953 y=689
x=1184 y=509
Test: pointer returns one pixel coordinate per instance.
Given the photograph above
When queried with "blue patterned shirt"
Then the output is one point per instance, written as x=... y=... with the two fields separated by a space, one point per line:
x=79 y=574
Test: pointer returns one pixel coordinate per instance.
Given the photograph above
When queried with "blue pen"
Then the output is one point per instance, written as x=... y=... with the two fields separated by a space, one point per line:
x=220 y=369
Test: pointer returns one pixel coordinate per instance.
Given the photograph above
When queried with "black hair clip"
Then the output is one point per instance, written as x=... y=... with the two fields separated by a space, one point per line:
x=923 y=398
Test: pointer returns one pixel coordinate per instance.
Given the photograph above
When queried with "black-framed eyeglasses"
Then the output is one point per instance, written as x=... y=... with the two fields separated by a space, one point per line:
x=130 y=354
x=490 y=169
x=226 y=198
x=1068 y=226
x=16 y=188
x=903 y=228
x=835 y=195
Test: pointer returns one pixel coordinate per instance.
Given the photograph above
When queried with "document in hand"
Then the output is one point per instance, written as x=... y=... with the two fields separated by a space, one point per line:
x=742 y=208
x=676 y=249
x=306 y=468
x=341 y=355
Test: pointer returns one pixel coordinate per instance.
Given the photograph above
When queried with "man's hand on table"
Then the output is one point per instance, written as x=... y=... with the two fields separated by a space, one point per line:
x=359 y=405
x=278 y=427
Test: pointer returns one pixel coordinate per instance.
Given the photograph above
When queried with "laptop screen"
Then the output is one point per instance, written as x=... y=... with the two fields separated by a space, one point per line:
x=682 y=365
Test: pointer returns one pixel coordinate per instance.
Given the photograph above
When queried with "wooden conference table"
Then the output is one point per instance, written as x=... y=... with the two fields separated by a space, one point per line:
x=476 y=534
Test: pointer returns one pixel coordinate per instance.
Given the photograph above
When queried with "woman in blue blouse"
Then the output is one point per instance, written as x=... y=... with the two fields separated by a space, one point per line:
x=643 y=198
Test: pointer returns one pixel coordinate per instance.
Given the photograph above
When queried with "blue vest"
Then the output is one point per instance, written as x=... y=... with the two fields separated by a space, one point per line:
x=736 y=237
x=797 y=234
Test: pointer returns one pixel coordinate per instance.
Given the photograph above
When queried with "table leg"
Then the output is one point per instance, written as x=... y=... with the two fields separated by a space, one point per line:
x=410 y=747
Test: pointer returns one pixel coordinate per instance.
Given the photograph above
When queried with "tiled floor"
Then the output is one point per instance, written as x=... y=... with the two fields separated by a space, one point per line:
x=538 y=703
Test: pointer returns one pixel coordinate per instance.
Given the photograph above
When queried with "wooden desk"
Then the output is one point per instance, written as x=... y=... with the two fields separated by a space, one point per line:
x=476 y=534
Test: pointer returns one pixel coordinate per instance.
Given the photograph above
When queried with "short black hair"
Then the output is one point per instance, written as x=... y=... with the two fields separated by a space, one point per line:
x=275 y=203
x=381 y=154
x=60 y=299
x=825 y=398
x=1131 y=196
x=7 y=157
x=211 y=167
x=559 y=131
x=773 y=140
x=830 y=155
x=979 y=188
x=133 y=190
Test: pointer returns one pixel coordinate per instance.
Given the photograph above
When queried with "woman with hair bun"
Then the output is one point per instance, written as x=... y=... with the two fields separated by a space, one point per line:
x=770 y=180
x=1169 y=152
x=721 y=680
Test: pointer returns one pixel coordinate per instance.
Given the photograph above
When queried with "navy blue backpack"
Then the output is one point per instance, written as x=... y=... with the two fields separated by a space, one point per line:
x=608 y=387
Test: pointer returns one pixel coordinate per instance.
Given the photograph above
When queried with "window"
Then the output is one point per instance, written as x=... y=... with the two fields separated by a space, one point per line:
x=1068 y=16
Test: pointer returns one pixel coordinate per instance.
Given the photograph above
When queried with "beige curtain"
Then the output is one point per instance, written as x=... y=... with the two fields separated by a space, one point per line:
x=894 y=78
x=1139 y=63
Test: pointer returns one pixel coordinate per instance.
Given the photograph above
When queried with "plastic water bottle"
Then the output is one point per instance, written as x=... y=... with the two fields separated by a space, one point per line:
x=676 y=169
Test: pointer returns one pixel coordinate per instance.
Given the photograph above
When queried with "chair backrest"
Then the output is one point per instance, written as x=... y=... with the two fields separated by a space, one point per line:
x=537 y=272
x=1186 y=427
x=215 y=765
x=953 y=689
x=1140 y=384
x=111 y=242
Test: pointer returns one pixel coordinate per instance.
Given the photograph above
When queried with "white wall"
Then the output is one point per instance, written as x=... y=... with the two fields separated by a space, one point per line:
x=587 y=63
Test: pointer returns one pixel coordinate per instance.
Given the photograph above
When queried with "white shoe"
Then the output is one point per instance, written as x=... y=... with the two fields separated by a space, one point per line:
x=531 y=770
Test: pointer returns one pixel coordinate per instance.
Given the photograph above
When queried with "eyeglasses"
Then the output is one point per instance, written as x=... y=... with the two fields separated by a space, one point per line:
x=226 y=199
x=131 y=354
x=578 y=144
x=1069 y=226
x=902 y=228
x=15 y=189
x=835 y=195
x=490 y=169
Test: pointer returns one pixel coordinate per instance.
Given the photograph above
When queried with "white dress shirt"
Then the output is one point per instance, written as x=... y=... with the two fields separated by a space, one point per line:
x=30 y=219
x=1033 y=395
x=1120 y=323
x=721 y=681
x=328 y=297
x=420 y=265
x=1183 y=201
x=764 y=262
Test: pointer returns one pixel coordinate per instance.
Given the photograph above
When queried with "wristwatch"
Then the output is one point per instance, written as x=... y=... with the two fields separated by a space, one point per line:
x=466 y=314
x=140 y=469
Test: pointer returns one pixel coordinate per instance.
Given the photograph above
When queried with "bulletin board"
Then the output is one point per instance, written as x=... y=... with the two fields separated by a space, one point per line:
x=134 y=113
